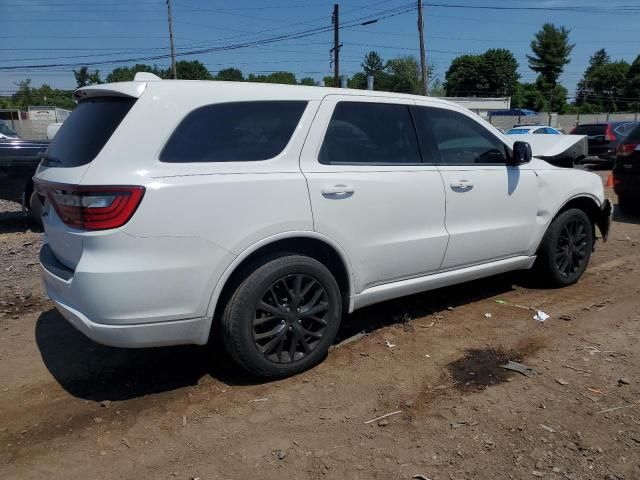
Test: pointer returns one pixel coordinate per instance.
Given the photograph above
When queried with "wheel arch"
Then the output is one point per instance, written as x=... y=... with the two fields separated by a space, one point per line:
x=584 y=202
x=312 y=244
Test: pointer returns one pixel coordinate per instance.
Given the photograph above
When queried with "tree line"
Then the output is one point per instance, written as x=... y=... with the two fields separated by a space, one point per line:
x=606 y=85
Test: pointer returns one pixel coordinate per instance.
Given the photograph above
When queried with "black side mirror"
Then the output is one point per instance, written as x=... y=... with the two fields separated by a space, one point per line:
x=521 y=153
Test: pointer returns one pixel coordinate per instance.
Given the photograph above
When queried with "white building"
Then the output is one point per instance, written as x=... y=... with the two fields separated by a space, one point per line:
x=481 y=105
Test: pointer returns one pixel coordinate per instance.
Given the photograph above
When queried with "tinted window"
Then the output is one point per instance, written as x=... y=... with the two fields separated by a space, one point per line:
x=625 y=128
x=540 y=131
x=362 y=132
x=86 y=131
x=450 y=137
x=517 y=131
x=635 y=134
x=234 y=132
x=7 y=130
x=590 y=130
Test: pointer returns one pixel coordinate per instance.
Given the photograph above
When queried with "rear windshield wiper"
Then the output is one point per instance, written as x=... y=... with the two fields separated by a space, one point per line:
x=50 y=159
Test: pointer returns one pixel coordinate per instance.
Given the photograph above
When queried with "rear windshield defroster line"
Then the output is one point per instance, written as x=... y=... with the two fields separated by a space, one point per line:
x=86 y=131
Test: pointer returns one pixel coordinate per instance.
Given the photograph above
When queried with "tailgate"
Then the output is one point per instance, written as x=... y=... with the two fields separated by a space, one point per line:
x=66 y=161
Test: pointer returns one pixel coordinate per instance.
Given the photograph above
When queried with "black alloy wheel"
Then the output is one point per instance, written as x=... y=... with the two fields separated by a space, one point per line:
x=290 y=318
x=283 y=316
x=566 y=248
x=571 y=247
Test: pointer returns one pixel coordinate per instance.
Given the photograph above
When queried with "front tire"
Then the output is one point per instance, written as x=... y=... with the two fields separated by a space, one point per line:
x=566 y=248
x=283 y=317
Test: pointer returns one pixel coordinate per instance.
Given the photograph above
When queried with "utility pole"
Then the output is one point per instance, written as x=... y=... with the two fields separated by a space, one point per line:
x=336 y=46
x=423 y=59
x=174 y=73
x=550 y=107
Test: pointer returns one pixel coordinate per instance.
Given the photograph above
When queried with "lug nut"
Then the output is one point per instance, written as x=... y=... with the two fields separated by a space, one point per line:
x=299 y=321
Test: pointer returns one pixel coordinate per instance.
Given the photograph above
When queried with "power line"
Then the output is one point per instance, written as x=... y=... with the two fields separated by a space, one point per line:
x=269 y=40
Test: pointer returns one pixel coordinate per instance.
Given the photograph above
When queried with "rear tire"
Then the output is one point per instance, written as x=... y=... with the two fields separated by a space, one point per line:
x=283 y=317
x=626 y=205
x=565 y=249
x=35 y=208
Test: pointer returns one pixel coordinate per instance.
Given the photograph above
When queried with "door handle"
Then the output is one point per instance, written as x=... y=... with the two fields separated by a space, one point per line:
x=462 y=185
x=338 y=190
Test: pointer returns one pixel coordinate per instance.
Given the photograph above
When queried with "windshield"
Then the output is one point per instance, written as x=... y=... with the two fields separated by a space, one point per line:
x=517 y=131
x=7 y=130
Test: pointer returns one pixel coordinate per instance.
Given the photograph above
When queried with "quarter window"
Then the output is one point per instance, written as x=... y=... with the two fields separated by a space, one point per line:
x=370 y=133
x=451 y=138
x=234 y=132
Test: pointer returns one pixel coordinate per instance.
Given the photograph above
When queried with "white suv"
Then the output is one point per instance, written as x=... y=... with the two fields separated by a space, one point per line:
x=272 y=210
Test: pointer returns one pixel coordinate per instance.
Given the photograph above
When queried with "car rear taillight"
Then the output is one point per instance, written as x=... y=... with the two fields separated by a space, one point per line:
x=609 y=135
x=626 y=149
x=573 y=130
x=92 y=207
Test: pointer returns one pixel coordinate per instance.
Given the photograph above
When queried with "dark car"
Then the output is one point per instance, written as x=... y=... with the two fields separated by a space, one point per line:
x=19 y=159
x=626 y=173
x=604 y=138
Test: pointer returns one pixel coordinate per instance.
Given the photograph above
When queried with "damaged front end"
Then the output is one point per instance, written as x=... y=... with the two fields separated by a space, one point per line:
x=604 y=218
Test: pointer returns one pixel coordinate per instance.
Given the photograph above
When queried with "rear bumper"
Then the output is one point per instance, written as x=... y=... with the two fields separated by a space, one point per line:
x=137 y=292
x=179 y=332
x=626 y=184
x=604 y=151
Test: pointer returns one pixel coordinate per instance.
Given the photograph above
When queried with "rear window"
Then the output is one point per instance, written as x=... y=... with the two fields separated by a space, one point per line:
x=635 y=134
x=625 y=128
x=86 y=131
x=590 y=130
x=517 y=131
x=234 y=132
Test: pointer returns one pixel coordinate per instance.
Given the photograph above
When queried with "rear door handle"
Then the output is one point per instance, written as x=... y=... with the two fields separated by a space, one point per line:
x=462 y=185
x=338 y=190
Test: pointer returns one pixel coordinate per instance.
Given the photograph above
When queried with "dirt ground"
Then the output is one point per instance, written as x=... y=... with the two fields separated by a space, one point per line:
x=72 y=409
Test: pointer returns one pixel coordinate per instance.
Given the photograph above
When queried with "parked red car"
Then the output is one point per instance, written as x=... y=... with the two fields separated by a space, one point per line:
x=604 y=138
x=626 y=173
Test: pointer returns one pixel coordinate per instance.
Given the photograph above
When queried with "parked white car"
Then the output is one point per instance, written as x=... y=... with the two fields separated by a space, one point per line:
x=274 y=210
x=533 y=130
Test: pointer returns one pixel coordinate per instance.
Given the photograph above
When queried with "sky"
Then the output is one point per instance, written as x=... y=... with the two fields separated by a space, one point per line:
x=69 y=33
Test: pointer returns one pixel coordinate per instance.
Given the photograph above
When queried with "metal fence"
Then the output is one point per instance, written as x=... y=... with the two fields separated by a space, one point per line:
x=565 y=122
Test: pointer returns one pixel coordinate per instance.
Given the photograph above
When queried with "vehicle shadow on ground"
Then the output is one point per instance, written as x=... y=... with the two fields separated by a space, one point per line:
x=14 y=222
x=632 y=218
x=96 y=372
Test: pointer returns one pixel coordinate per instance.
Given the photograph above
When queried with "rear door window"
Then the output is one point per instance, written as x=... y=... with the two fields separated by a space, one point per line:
x=86 y=131
x=370 y=133
x=234 y=132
